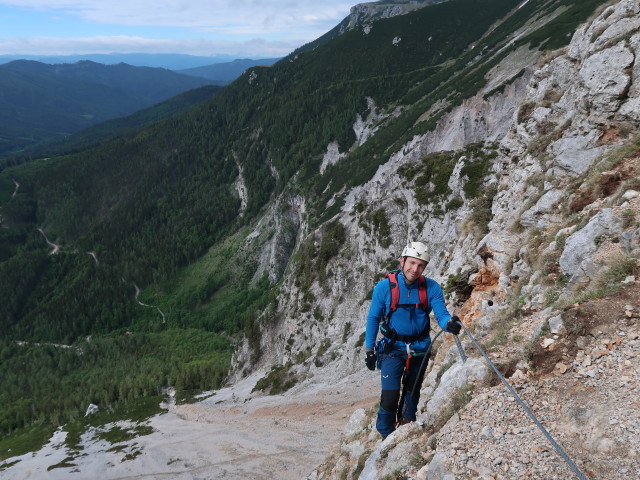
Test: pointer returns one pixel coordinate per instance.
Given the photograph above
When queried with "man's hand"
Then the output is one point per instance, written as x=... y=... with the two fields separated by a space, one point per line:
x=370 y=360
x=453 y=326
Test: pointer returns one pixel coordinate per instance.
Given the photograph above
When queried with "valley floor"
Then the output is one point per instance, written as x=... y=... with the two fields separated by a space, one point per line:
x=224 y=436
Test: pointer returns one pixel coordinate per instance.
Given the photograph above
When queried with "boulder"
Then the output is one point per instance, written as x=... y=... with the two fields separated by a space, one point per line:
x=577 y=257
x=575 y=152
x=453 y=380
x=556 y=325
x=437 y=469
x=605 y=75
x=537 y=215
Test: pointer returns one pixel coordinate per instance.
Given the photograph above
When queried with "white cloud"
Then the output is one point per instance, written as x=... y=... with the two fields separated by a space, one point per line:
x=256 y=16
x=253 y=48
x=199 y=27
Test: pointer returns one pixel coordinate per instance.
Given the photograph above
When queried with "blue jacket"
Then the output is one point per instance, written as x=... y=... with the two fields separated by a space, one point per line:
x=405 y=320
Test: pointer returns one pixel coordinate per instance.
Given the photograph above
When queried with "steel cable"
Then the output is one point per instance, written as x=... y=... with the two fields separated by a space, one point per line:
x=555 y=445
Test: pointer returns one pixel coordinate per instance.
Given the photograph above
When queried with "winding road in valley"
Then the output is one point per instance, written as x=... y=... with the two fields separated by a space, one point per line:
x=56 y=248
x=15 y=192
x=146 y=305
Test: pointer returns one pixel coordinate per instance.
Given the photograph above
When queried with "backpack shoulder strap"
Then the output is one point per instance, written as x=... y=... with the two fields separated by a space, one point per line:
x=394 y=290
x=422 y=292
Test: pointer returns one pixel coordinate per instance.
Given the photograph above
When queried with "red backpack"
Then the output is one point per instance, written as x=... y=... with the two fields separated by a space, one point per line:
x=385 y=327
x=395 y=292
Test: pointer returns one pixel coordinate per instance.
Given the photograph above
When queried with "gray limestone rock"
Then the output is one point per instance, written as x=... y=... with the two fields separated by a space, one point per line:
x=91 y=409
x=370 y=470
x=577 y=257
x=453 y=380
x=606 y=77
x=556 y=325
x=575 y=152
x=438 y=468
x=539 y=215
x=356 y=422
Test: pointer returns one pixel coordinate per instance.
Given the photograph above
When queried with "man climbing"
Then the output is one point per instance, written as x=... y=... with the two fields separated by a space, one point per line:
x=400 y=308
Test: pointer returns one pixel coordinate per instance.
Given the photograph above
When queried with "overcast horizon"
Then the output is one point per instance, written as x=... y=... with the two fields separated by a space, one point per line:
x=242 y=29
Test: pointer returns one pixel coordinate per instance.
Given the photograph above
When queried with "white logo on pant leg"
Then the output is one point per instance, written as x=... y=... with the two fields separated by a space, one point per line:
x=385 y=376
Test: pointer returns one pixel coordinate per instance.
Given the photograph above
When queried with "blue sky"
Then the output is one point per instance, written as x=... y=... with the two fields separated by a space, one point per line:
x=243 y=28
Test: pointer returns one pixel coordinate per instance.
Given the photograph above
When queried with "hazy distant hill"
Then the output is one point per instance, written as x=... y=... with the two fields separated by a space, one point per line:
x=39 y=102
x=224 y=73
x=172 y=61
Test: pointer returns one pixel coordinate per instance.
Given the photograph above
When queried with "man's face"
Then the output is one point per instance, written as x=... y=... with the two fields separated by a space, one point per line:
x=412 y=268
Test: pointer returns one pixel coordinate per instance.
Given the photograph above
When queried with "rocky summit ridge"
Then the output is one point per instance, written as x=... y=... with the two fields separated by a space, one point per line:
x=363 y=13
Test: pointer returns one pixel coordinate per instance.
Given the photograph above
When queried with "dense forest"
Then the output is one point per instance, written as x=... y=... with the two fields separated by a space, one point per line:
x=156 y=207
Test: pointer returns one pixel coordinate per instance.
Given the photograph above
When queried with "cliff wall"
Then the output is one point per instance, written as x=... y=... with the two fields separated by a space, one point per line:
x=560 y=193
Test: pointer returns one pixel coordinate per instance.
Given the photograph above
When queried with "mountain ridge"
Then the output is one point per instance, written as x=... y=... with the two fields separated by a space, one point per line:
x=159 y=60
x=40 y=101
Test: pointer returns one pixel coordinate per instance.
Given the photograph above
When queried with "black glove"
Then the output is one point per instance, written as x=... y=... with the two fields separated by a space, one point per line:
x=371 y=360
x=453 y=326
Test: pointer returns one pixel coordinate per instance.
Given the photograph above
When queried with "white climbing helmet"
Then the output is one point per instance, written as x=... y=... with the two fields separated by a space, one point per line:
x=416 y=250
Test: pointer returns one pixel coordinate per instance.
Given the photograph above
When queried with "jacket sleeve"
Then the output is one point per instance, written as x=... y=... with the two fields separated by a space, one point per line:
x=377 y=311
x=436 y=301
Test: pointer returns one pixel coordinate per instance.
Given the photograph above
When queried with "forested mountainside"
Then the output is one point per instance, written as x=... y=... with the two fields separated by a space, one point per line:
x=41 y=102
x=365 y=13
x=256 y=224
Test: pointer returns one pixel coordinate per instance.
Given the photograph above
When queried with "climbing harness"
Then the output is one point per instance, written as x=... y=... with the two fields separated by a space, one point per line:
x=555 y=445
x=391 y=334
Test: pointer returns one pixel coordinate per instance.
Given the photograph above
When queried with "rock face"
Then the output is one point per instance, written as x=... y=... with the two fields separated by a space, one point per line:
x=563 y=221
x=91 y=409
x=577 y=258
x=543 y=126
x=363 y=13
